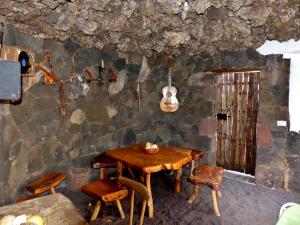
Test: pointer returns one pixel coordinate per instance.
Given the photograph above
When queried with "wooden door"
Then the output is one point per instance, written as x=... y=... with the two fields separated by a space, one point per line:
x=237 y=107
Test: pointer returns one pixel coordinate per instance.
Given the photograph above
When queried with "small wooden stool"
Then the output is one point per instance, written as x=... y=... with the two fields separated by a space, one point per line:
x=102 y=162
x=105 y=191
x=46 y=183
x=210 y=176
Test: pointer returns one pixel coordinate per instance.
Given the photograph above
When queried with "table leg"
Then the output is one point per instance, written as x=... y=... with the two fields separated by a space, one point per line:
x=119 y=169
x=150 y=202
x=178 y=180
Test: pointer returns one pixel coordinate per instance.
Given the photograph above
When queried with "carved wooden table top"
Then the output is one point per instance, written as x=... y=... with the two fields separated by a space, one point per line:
x=167 y=158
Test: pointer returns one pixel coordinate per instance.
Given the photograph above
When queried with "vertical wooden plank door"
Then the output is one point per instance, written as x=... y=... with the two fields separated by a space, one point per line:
x=237 y=107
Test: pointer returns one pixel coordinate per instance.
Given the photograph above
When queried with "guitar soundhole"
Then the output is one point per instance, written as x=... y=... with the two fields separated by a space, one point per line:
x=169 y=94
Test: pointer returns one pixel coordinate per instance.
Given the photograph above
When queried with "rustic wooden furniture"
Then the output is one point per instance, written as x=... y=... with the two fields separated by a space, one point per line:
x=140 y=188
x=102 y=162
x=56 y=209
x=168 y=158
x=196 y=156
x=104 y=190
x=210 y=176
x=46 y=183
x=42 y=185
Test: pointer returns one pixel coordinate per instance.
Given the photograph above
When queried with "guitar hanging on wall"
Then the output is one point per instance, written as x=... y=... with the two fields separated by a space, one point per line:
x=169 y=102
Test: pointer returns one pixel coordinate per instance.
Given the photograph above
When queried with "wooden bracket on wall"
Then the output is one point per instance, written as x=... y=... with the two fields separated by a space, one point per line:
x=51 y=78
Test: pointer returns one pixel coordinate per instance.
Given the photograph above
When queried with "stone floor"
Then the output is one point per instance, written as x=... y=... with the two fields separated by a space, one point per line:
x=243 y=203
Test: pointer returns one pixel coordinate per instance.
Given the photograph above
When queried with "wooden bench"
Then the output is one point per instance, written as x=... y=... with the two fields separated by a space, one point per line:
x=46 y=183
x=210 y=176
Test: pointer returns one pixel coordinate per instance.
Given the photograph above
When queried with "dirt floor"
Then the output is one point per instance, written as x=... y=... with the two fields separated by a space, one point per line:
x=243 y=203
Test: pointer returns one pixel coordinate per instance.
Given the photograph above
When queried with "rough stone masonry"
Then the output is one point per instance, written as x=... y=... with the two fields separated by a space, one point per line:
x=157 y=26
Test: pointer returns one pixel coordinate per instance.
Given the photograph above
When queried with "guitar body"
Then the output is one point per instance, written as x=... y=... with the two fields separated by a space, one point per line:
x=169 y=102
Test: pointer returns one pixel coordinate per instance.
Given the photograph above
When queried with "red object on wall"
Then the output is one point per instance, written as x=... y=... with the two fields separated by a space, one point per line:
x=208 y=126
x=263 y=136
x=89 y=73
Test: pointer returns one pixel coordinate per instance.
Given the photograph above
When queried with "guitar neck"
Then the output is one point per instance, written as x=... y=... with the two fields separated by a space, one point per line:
x=170 y=67
x=170 y=78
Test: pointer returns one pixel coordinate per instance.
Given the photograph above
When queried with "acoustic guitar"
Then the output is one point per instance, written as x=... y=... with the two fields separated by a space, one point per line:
x=169 y=102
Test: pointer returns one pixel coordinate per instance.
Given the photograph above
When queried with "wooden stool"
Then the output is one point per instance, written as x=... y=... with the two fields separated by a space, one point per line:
x=105 y=191
x=46 y=183
x=210 y=176
x=196 y=156
x=103 y=162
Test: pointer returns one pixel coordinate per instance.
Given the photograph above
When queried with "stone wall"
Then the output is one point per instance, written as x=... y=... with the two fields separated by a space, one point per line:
x=149 y=26
x=36 y=139
x=293 y=161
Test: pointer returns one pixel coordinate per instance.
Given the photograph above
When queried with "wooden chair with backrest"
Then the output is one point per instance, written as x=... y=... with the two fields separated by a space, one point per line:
x=142 y=190
x=104 y=190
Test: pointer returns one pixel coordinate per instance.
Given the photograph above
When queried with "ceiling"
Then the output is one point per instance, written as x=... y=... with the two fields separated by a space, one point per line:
x=158 y=26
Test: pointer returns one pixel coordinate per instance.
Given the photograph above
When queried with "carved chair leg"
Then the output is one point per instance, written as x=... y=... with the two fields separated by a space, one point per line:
x=214 y=202
x=119 y=168
x=150 y=201
x=131 y=172
x=52 y=190
x=142 y=177
x=178 y=180
x=122 y=215
x=143 y=212
x=220 y=181
x=96 y=210
x=101 y=173
x=194 y=194
x=131 y=207
x=192 y=167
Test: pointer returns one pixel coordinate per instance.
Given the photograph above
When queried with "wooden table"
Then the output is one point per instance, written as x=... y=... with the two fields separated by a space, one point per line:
x=168 y=158
x=56 y=208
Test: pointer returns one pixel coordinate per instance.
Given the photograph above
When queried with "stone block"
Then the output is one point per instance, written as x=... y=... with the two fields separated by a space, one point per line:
x=281 y=94
x=95 y=111
x=129 y=137
x=5 y=168
x=34 y=160
x=293 y=143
